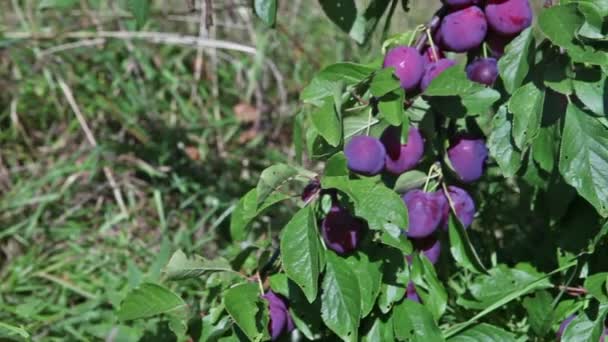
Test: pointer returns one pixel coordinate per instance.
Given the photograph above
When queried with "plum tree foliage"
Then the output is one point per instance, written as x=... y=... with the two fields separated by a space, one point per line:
x=452 y=196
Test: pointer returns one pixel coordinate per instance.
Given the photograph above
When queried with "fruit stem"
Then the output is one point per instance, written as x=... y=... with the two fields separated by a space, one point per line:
x=432 y=25
x=259 y=279
x=432 y=43
x=430 y=175
x=485 y=50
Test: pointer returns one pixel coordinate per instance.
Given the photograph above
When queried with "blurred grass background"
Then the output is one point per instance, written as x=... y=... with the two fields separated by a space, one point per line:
x=118 y=146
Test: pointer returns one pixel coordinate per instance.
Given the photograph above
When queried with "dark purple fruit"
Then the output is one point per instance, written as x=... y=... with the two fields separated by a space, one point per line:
x=431 y=71
x=408 y=64
x=464 y=29
x=508 y=17
x=463 y=204
x=365 y=155
x=468 y=157
x=402 y=157
x=483 y=70
x=429 y=246
x=341 y=230
x=425 y=213
x=280 y=319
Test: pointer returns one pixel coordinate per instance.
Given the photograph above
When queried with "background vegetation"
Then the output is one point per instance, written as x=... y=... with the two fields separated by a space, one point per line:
x=118 y=146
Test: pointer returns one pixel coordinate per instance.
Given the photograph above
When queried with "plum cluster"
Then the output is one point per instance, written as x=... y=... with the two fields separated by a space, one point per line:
x=465 y=27
x=428 y=210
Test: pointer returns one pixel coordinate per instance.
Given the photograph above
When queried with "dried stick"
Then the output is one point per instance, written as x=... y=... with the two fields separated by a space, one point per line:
x=69 y=96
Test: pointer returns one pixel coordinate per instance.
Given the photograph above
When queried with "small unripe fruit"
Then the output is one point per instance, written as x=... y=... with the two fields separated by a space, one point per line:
x=411 y=294
x=280 y=319
x=464 y=29
x=424 y=211
x=463 y=205
x=508 y=17
x=429 y=246
x=408 y=64
x=402 y=157
x=365 y=155
x=431 y=71
x=468 y=157
x=483 y=70
x=341 y=230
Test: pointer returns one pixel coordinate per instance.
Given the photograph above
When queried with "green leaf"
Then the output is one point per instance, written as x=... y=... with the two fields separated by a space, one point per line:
x=244 y=304
x=413 y=322
x=584 y=329
x=369 y=277
x=453 y=82
x=140 y=10
x=596 y=285
x=327 y=123
x=515 y=63
x=391 y=107
x=461 y=248
x=540 y=312
x=344 y=14
x=501 y=280
x=247 y=209
x=271 y=179
x=409 y=180
x=341 y=299
x=60 y=4
x=483 y=333
x=389 y=295
x=10 y=331
x=384 y=82
x=516 y=292
x=381 y=330
x=584 y=157
x=355 y=125
x=325 y=82
x=180 y=267
x=428 y=286
x=380 y=206
x=300 y=252
x=526 y=104
x=266 y=10
x=560 y=23
x=591 y=88
x=151 y=300
x=501 y=145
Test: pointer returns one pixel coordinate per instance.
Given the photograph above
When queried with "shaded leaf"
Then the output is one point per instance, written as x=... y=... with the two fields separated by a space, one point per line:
x=515 y=63
x=244 y=304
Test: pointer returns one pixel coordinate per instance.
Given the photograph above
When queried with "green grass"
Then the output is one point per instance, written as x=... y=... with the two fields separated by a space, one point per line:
x=168 y=137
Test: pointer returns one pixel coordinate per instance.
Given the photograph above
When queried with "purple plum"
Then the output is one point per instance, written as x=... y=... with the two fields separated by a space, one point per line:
x=468 y=157
x=425 y=213
x=341 y=231
x=497 y=43
x=483 y=70
x=280 y=318
x=365 y=155
x=508 y=17
x=411 y=293
x=402 y=157
x=431 y=71
x=310 y=190
x=429 y=246
x=464 y=29
x=463 y=204
x=408 y=64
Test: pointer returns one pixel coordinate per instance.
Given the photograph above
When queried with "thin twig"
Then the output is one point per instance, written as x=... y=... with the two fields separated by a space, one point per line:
x=153 y=37
x=69 y=96
x=432 y=26
x=72 y=45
